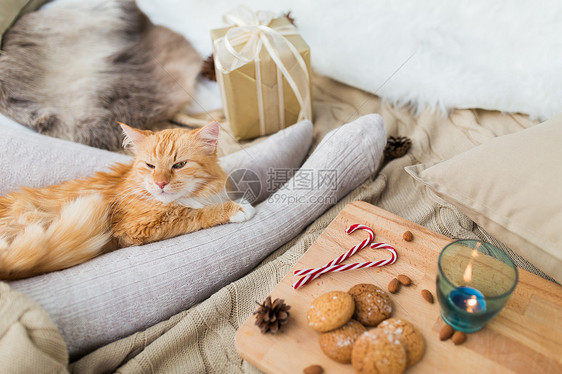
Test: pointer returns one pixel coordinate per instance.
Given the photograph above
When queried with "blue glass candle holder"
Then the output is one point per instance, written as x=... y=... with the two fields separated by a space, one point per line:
x=474 y=281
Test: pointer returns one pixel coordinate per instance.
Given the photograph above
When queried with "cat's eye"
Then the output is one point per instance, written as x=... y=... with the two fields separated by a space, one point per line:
x=149 y=165
x=179 y=165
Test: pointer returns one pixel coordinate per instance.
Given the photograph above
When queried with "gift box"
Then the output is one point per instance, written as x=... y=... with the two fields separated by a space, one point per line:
x=263 y=70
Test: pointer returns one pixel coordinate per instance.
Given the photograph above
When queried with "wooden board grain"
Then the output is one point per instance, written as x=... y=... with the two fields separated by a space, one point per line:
x=524 y=338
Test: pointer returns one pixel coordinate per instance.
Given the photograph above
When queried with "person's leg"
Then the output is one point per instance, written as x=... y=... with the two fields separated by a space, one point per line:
x=130 y=289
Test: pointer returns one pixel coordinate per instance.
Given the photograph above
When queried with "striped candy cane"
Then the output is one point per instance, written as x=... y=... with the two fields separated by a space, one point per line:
x=311 y=274
x=360 y=265
x=363 y=265
x=347 y=254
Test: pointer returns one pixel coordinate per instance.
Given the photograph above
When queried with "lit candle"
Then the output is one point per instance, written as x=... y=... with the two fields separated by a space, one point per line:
x=468 y=300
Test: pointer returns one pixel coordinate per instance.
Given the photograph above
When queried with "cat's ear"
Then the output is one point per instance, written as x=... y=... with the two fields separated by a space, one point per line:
x=133 y=137
x=209 y=136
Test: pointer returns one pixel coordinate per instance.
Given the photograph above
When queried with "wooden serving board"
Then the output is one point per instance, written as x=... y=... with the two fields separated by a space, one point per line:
x=526 y=337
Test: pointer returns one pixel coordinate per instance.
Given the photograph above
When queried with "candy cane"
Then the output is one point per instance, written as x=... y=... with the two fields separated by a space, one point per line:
x=359 y=265
x=312 y=274
x=363 y=265
x=347 y=254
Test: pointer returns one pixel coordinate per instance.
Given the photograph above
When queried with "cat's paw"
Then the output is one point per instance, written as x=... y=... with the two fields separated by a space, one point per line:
x=246 y=212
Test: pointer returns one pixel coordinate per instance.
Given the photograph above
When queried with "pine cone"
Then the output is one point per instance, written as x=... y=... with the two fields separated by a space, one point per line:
x=396 y=147
x=271 y=316
x=208 y=69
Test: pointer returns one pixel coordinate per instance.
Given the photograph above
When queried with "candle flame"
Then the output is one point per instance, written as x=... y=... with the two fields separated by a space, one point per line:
x=472 y=301
x=468 y=272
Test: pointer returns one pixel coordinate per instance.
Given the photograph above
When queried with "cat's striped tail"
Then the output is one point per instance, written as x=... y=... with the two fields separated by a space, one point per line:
x=78 y=234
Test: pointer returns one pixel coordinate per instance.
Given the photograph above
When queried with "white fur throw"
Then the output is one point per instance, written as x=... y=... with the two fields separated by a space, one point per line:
x=502 y=55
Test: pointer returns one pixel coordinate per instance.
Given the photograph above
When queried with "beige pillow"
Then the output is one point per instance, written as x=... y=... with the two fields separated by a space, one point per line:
x=512 y=187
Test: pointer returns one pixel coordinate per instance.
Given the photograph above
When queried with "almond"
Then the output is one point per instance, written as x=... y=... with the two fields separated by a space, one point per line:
x=393 y=286
x=404 y=279
x=408 y=236
x=459 y=337
x=313 y=369
x=446 y=332
x=427 y=295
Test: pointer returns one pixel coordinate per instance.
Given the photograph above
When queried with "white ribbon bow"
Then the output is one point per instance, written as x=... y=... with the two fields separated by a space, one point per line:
x=243 y=43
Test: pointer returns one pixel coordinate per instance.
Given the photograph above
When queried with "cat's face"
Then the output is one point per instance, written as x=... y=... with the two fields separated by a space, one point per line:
x=175 y=164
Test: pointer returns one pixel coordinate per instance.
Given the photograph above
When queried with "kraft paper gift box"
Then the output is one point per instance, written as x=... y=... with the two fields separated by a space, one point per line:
x=263 y=71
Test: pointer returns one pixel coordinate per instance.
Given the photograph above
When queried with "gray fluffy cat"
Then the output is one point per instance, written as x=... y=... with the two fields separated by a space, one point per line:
x=72 y=70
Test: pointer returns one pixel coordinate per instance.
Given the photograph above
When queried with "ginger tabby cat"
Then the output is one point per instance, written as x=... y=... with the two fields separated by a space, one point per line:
x=173 y=186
